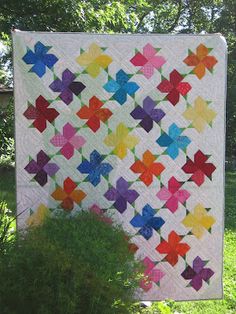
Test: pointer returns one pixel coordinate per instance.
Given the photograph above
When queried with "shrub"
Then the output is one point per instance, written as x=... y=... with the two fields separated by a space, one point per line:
x=8 y=155
x=68 y=265
x=6 y=221
x=7 y=149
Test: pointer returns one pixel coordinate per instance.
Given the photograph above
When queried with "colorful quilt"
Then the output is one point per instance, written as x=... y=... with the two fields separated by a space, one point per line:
x=132 y=128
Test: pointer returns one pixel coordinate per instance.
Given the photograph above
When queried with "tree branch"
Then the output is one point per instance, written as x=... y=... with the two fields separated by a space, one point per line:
x=172 y=27
x=142 y=18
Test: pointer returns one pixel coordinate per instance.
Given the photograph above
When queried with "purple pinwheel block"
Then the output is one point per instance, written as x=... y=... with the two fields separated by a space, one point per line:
x=67 y=86
x=121 y=195
x=42 y=168
x=148 y=114
x=197 y=274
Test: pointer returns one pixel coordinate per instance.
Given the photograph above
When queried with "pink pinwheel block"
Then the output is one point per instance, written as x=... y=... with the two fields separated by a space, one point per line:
x=152 y=275
x=148 y=61
x=68 y=141
x=173 y=195
x=98 y=211
x=156 y=275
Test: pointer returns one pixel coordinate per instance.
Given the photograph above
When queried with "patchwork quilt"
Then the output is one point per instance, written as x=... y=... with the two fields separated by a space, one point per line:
x=130 y=127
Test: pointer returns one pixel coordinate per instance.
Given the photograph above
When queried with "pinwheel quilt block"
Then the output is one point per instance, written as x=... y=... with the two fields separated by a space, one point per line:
x=131 y=128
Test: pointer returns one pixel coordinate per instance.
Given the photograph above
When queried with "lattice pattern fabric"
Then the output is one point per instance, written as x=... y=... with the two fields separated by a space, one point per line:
x=130 y=127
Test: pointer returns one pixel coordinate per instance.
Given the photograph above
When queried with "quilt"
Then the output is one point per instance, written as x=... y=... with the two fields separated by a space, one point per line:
x=131 y=127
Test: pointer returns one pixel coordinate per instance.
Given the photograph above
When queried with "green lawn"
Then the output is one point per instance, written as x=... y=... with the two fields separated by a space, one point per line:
x=226 y=306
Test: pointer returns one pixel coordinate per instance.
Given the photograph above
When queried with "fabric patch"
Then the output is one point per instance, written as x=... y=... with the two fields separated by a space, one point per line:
x=147 y=222
x=121 y=87
x=94 y=60
x=200 y=60
x=148 y=114
x=67 y=86
x=131 y=128
x=94 y=113
x=68 y=141
x=40 y=58
x=148 y=60
x=40 y=113
x=174 y=87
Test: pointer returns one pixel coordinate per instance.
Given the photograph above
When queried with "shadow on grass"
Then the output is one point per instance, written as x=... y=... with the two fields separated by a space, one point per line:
x=230 y=201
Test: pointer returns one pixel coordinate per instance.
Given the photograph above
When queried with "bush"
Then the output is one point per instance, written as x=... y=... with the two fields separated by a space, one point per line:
x=6 y=221
x=68 y=265
x=7 y=155
x=7 y=149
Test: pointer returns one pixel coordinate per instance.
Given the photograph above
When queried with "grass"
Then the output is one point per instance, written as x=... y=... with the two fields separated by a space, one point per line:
x=225 y=306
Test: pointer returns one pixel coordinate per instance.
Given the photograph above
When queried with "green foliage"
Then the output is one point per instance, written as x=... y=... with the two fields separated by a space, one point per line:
x=7 y=149
x=2 y=75
x=7 y=152
x=68 y=265
x=6 y=226
x=7 y=120
x=164 y=307
x=7 y=187
x=5 y=56
x=161 y=307
x=6 y=113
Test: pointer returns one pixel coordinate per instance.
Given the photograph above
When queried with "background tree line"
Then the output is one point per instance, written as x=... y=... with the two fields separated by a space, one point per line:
x=127 y=16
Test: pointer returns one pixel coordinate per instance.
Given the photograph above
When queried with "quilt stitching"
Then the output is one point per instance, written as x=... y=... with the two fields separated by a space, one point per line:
x=123 y=141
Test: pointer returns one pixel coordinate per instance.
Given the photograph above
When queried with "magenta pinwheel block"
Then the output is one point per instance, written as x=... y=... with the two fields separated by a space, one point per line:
x=148 y=60
x=68 y=141
x=131 y=128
